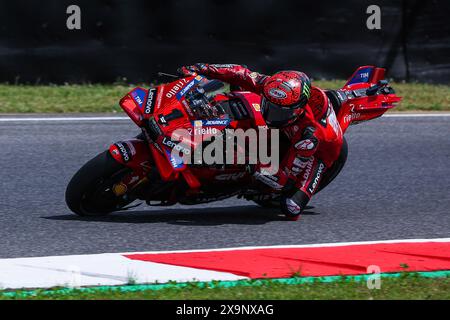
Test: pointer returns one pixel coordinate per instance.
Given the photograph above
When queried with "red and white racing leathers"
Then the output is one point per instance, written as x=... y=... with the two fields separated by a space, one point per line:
x=316 y=137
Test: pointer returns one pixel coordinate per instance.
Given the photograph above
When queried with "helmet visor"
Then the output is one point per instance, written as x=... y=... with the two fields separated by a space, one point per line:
x=275 y=115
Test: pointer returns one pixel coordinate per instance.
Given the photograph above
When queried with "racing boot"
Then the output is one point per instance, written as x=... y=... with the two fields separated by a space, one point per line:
x=293 y=206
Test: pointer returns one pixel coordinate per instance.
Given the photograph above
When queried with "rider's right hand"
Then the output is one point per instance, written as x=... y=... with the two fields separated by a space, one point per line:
x=187 y=71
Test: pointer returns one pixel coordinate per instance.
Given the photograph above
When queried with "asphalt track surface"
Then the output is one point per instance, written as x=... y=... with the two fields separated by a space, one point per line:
x=395 y=185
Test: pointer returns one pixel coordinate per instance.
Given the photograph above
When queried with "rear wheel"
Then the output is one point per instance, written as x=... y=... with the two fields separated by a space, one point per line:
x=90 y=191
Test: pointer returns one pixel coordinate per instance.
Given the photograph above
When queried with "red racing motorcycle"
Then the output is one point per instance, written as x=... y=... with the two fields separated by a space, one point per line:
x=147 y=167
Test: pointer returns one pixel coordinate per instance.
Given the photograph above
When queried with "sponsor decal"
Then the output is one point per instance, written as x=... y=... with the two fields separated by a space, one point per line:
x=307 y=170
x=306 y=91
x=160 y=96
x=151 y=101
x=277 y=93
x=332 y=120
x=256 y=106
x=197 y=123
x=124 y=151
x=223 y=65
x=176 y=146
x=187 y=108
x=342 y=95
x=292 y=206
x=298 y=165
x=189 y=86
x=301 y=162
x=270 y=180
x=162 y=120
x=175 y=161
x=352 y=116
x=138 y=96
x=211 y=122
x=175 y=88
x=202 y=131
x=362 y=76
x=306 y=144
x=230 y=176
x=315 y=182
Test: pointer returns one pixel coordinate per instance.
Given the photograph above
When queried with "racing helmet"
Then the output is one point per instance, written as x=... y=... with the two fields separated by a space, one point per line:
x=285 y=94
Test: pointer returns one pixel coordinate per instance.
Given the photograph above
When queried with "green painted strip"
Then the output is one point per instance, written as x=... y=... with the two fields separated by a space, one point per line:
x=219 y=284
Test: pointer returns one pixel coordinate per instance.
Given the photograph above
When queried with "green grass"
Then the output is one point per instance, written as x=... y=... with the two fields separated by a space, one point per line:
x=105 y=98
x=407 y=286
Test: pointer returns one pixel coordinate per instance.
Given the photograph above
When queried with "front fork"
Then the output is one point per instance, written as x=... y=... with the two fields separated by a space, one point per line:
x=136 y=155
x=141 y=157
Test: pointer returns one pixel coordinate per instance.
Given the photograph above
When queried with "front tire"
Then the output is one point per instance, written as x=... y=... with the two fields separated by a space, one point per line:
x=89 y=192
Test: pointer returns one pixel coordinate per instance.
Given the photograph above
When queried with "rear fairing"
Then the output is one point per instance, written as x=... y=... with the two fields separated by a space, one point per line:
x=358 y=104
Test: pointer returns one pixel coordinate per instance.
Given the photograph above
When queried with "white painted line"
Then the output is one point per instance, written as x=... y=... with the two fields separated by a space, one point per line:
x=118 y=118
x=95 y=270
x=19 y=119
x=316 y=245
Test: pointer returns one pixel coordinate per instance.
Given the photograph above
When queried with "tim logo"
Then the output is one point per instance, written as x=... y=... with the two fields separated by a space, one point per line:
x=364 y=75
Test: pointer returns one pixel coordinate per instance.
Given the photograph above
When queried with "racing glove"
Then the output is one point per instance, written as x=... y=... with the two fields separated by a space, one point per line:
x=187 y=71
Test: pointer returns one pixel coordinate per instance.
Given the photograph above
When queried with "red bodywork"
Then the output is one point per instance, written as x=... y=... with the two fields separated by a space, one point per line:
x=157 y=105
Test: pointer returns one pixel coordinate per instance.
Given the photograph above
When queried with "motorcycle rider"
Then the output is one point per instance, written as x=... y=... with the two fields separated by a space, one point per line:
x=303 y=113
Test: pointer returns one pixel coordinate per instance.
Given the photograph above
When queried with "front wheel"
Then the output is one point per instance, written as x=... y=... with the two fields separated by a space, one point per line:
x=89 y=192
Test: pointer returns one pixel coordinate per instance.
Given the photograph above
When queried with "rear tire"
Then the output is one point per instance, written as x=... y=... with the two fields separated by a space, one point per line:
x=89 y=191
